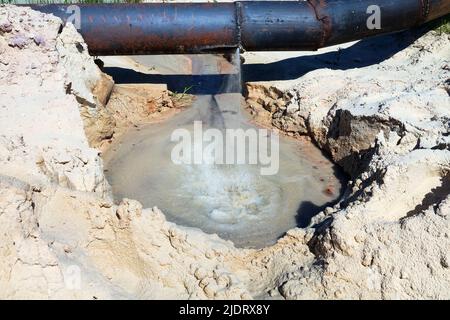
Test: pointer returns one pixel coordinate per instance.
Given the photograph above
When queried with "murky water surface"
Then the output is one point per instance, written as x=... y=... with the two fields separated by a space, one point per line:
x=234 y=201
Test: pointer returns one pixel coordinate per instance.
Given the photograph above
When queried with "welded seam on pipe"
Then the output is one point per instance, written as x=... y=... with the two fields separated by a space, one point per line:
x=325 y=20
x=425 y=9
x=238 y=14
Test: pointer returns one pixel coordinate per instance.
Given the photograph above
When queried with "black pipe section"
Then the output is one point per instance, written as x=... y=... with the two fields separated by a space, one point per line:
x=153 y=28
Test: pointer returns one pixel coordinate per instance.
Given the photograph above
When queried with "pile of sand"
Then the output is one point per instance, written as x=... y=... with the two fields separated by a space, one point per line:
x=61 y=236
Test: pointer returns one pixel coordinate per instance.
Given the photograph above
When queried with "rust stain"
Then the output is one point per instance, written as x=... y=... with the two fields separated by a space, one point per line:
x=329 y=191
x=141 y=41
x=319 y=7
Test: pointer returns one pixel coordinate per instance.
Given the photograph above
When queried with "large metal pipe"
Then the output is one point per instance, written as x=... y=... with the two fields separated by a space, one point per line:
x=151 y=28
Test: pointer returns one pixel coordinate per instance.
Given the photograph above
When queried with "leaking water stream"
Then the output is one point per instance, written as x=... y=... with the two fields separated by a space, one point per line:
x=234 y=201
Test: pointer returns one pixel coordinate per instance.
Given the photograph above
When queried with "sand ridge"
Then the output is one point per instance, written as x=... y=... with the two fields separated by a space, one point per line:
x=61 y=235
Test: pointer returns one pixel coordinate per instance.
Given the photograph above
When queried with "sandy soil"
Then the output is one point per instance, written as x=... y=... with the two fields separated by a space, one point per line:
x=380 y=108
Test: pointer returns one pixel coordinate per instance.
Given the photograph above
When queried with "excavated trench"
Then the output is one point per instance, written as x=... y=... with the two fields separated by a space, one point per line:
x=391 y=229
x=235 y=201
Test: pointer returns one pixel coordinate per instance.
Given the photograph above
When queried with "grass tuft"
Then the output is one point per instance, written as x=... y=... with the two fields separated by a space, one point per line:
x=444 y=26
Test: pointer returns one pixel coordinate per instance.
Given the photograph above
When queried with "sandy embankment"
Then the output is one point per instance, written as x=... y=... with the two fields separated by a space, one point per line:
x=385 y=122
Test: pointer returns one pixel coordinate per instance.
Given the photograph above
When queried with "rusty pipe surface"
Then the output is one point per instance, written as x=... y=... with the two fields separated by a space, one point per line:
x=153 y=28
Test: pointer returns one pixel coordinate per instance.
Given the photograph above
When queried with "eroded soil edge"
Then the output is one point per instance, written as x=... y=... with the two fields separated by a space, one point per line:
x=61 y=235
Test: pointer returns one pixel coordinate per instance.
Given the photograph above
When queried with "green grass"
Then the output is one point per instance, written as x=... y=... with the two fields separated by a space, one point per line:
x=444 y=25
x=441 y=25
x=181 y=95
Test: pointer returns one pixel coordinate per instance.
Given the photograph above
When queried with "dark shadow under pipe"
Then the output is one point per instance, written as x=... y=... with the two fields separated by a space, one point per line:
x=156 y=28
